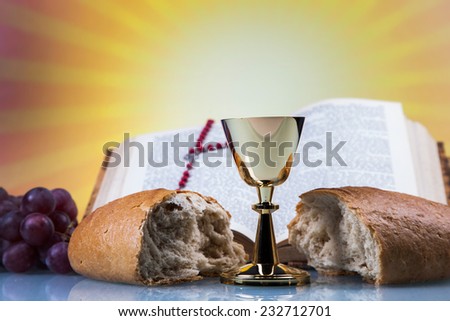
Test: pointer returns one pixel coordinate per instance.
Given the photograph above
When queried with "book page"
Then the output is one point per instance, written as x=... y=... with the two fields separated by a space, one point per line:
x=430 y=182
x=375 y=152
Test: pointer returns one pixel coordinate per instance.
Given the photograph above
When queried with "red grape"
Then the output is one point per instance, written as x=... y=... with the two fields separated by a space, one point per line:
x=19 y=257
x=10 y=226
x=4 y=244
x=16 y=200
x=37 y=229
x=57 y=258
x=38 y=200
x=70 y=208
x=7 y=206
x=61 y=196
x=3 y=194
x=65 y=202
x=56 y=238
x=61 y=221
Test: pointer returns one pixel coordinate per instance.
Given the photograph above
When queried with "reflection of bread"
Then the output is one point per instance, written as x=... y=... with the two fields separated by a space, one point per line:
x=155 y=237
x=386 y=237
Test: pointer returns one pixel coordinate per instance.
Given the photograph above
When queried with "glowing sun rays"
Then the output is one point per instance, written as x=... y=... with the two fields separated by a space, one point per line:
x=76 y=74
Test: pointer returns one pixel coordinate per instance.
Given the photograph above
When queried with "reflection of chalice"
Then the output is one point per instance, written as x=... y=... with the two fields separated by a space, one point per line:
x=263 y=149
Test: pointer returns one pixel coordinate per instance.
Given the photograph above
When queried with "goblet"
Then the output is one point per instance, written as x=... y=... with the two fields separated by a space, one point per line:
x=263 y=149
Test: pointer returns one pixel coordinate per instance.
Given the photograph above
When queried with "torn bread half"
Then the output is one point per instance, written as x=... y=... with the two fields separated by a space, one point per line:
x=155 y=237
x=386 y=237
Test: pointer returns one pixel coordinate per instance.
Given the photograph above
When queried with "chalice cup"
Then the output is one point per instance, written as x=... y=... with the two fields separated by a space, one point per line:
x=263 y=149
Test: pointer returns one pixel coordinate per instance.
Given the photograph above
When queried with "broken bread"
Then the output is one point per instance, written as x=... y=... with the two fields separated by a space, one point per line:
x=155 y=237
x=386 y=237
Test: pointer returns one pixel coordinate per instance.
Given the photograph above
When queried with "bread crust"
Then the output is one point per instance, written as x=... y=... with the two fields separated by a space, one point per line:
x=106 y=245
x=412 y=233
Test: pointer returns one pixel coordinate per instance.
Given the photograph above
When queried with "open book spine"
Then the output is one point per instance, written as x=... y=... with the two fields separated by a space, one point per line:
x=98 y=182
x=445 y=166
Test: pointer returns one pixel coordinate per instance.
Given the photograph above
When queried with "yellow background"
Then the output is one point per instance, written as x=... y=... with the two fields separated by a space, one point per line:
x=77 y=74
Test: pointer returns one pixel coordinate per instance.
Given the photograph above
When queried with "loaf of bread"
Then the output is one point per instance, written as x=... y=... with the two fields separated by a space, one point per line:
x=155 y=237
x=386 y=237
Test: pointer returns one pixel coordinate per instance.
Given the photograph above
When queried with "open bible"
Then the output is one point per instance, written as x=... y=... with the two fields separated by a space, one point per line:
x=344 y=142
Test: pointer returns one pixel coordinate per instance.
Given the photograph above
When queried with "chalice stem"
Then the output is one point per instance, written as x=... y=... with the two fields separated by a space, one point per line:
x=265 y=250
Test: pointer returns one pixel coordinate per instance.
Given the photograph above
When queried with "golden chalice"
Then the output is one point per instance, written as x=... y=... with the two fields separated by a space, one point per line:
x=263 y=149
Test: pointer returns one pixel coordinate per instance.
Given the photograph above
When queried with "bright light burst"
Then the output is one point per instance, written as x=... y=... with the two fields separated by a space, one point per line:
x=76 y=74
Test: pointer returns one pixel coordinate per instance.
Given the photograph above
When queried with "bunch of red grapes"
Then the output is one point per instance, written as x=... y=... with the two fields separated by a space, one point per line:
x=35 y=229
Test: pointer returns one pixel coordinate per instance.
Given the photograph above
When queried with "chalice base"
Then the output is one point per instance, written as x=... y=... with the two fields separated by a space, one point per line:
x=266 y=274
